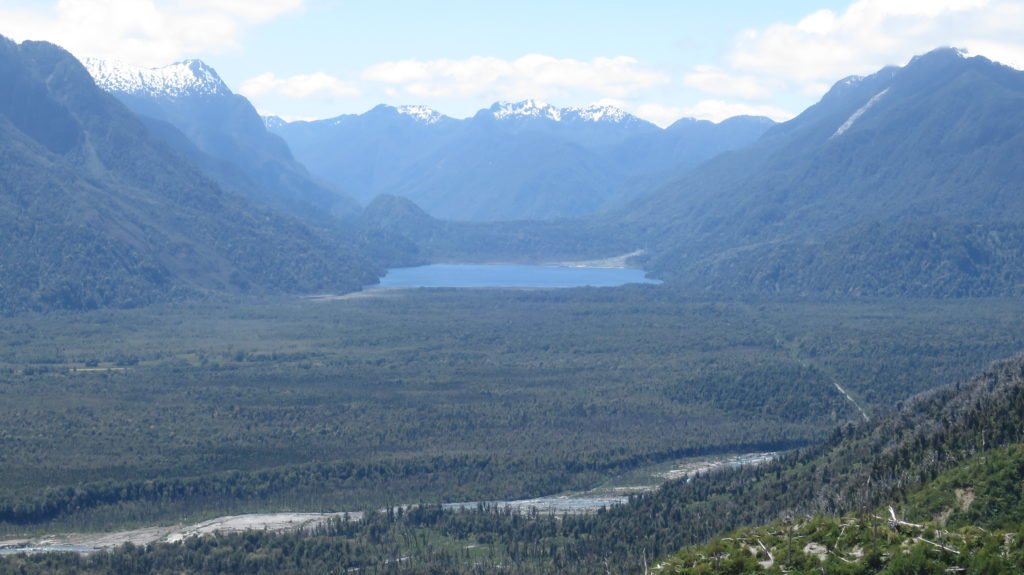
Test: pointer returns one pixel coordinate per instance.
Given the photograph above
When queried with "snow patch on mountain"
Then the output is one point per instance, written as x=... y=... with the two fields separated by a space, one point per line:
x=421 y=114
x=185 y=78
x=526 y=109
x=596 y=113
x=850 y=81
x=538 y=109
x=273 y=122
x=856 y=115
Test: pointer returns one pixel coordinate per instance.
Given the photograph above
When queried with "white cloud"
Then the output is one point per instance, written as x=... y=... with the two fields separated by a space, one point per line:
x=613 y=102
x=713 y=110
x=530 y=76
x=718 y=110
x=248 y=10
x=825 y=46
x=141 y=32
x=298 y=86
x=287 y=117
x=659 y=114
x=714 y=80
x=1009 y=53
x=797 y=62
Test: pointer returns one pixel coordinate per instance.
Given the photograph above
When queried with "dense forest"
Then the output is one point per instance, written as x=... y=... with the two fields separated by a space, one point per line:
x=966 y=436
x=127 y=417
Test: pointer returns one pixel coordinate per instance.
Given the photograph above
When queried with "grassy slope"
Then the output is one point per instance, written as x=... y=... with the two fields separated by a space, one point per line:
x=969 y=517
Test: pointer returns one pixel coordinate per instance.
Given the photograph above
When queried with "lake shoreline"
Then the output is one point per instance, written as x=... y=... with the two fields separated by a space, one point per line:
x=610 y=272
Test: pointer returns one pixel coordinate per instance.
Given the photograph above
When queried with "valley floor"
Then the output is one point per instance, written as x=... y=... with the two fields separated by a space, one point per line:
x=615 y=491
x=119 y=420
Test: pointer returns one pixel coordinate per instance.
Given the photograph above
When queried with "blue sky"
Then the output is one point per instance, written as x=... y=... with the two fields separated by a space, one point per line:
x=658 y=59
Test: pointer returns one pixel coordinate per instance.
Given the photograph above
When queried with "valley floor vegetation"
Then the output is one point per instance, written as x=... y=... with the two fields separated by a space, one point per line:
x=898 y=494
x=112 y=419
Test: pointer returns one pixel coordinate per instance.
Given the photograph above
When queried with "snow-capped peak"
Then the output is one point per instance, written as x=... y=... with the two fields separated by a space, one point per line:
x=526 y=109
x=185 y=78
x=538 y=109
x=598 y=113
x=958 y=53
x=421 y=114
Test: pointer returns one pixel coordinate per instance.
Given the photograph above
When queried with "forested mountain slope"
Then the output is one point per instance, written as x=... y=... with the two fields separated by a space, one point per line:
x=95 y=212
x=436 y=240
x=906 y=182
x=230 y=141
x=970 y=516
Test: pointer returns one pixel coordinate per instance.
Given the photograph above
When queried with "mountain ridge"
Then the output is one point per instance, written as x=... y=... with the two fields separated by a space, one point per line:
x=183 y=78
x=528 y=108
x=511 y=161
x=243 y=155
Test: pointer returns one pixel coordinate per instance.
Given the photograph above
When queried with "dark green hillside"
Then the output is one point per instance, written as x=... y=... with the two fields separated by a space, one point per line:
x=984 y=491
x=969 y=518
x=905 y=182
x=921 y=259
x=94 y=212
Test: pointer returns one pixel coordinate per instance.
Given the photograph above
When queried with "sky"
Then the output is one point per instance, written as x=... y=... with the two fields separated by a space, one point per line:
x=658 y=59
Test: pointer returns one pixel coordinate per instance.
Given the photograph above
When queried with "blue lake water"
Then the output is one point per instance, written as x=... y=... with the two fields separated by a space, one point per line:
x=510 y=276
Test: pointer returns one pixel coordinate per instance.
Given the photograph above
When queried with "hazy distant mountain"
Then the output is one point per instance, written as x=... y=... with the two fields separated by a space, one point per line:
x=242 y=155
x=366 y=154
x=594 y=127
x=908 y=181
x=523 y=160
x=95 y=211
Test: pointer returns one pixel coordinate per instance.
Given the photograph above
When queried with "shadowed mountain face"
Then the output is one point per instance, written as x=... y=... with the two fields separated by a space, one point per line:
x=512 y=161
x=906 y=182
x=223 y=134
x=94 y=211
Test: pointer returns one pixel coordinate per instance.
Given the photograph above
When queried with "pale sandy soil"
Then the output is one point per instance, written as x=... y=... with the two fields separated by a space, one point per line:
x=86 y=542
x=616 y=262
x=260 y=522
x=699 y=467
x=279 y=522
x=370 y=292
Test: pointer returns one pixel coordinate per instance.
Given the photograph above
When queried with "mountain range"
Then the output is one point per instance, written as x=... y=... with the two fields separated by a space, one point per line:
x=124 y=186
x=96 y=211
x=512 y=161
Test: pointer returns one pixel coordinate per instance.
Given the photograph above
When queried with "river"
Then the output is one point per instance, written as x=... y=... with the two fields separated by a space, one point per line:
x=614 y=492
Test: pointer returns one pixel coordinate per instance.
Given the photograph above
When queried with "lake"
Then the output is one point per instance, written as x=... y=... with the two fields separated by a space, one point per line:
x=510 y=276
